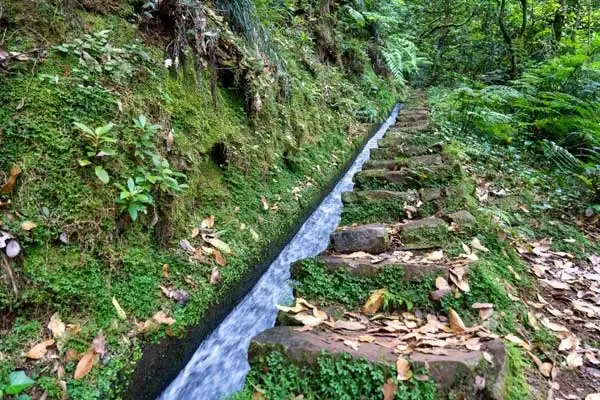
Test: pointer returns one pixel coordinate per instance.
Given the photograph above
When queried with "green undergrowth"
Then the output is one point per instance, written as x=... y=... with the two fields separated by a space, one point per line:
x=317 y=283
x=89 y=246
x=339 y=377
x=515 y=381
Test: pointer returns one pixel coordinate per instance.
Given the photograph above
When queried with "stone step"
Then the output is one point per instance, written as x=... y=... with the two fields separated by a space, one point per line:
x=423 y=233
x=464 y=373
x=365 y=266
x=371 y=238
x=372 y=196
x=410 y=139
x=410 y=162
x=407 y=178
x=387 y=153
x=415 y=127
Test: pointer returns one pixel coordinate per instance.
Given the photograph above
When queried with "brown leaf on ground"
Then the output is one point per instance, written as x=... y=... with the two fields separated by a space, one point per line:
x=208 y=222
x=456 y=323
x=403 y=369
x=389 y=389
x=518 y=341
x=8 y=186
x=165 y=270
x=85 y=365
x=265 y=203
x=574 y=360
x=441 y=283
x=309 y=320
x=57 y=327
x=353 y=344
x=215 y=276
x=486 y=310
x=120 y=312
x=349 y=325
x=162 y=318
x=220 y=258
x=374 y=302
x=367 y=338
x=39 y=350
x=28 y=225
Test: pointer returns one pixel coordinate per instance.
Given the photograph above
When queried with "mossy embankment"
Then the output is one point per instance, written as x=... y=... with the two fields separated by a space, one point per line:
x=254 y=157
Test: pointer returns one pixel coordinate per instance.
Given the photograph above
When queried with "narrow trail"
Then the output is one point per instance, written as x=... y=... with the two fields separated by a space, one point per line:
x=220 y=364
x=408 y=252
x=408 y=172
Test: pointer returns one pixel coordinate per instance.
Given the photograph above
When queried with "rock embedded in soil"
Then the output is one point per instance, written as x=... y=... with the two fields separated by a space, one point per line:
x=454 y=372
x=372 y=196
x=430 y=194
x=365 y=266
x=424 y=233
x=463 y=218
x=371 y=238
x=387 y=153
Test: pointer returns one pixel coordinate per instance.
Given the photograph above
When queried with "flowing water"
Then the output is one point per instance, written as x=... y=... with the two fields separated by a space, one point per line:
x=219 y=366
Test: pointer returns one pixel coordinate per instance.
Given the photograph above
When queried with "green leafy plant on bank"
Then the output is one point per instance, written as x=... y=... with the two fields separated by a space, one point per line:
x=97 y=141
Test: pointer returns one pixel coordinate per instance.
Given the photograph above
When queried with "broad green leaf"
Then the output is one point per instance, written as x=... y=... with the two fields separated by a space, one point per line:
x=102 y=130
x=84 y=128
x=18 y=382
x=102 y=174
x=84 y=163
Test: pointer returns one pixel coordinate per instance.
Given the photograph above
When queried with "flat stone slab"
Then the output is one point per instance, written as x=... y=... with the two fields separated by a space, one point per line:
x=463 y=218
x=408 y=178
x=455 y=371
x=424 y=233
x=371 y=238
x=430 y=194
x=365 y=266
x=390 y=153
x=372 y=196
x=426 y=160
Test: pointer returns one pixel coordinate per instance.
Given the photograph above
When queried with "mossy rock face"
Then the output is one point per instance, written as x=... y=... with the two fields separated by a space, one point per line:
x=372 y=238
x=389 y=153
x=395 y=139
x=378 y=206
x=425 y=233
x=409 y=178
x=364 y=266
x=453 y=373
x=371 y=196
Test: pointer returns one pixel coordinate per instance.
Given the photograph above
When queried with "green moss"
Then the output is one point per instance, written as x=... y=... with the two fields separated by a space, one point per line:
x=351 y=291
x=515 y=382
x=339 y=377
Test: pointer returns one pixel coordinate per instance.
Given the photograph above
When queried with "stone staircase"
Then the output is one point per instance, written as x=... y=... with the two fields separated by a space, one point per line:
x=409 y=202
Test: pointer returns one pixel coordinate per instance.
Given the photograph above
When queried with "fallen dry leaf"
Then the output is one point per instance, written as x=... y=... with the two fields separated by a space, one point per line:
x=518 y=341
x=374 y=302
x=353 y=344
x=308 y=320
x=593 y=396
x=476 y=244
x=389 y=389
x=120 y=312
x=208 y=222
x=349 y=325
x=39 y=350
x=8 y=186
x=403 y=369
x=434 y=256
x=220 y=258
x=455 y=322
x=218 y=244
x=165 y=270
x=28 y=225
x=99 y=345
x=265 y=203
x=215 y=276
x=57 y=327
x=486 y=310
x=162 y=318
x=574 y=360
x=366 y=338
x=85 y=365
x=569 y=343
x=441 y=283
